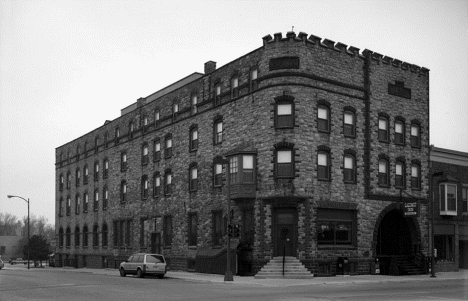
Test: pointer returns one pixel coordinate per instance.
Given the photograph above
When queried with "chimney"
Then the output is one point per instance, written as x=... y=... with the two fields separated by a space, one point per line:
x=210 y=66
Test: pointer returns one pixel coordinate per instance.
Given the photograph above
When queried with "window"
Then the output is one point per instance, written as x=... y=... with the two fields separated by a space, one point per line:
x=68 y=180
x=68 y=237
x=193 y=178
x=77 y=204
x=415 y=176
x=248 y=168
x=253 y=79
x=218 y=174
x=105 y=198
x=104 y=235
x=105 y=173
x=175 y=111
x=117 y=135
x=194 y=102
x=349 y=124
x=61 y=237
x=448 y=199
x=217 y=94
x=96 y=200
x=96 y=145
x=85 y=151
x=145 y=123
x=156 y=150
x=95 y=236
x=217 y=234
x=156 y=117
x=336 y=227
x=123 y=161
x=193 y=139
x=383 y=172
x=284 y=115
x=349 y=168
x=96 y=171
x=168 y=147
x=218 y=129
x=399 y=132
x=85 y=202
x=445 y=247
x=77 y=236
x=233 y=169
x=106 y=140
x=122 y=231
x=415 y=138
x=284 y=163
x=78 y=177
x=131 y=128
x=167 y=230
x=68 y=205
x=465 y=199
x=156 y=184
x=144 y=154
x=192 y=229
x=323 y=118
x=383 y=129
x=144 y=187
x=123 y=191
x=168 y=183
x=78 y=153
x=85 y=236
x=400 y=174
x=234 y=87
x=85 y=175
x=60 y=207
x=323 y=165
x=61 y=181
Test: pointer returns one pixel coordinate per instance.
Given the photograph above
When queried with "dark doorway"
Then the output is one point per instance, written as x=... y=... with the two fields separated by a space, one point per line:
x=156 y=243
x=285 y=227
x=394 y=236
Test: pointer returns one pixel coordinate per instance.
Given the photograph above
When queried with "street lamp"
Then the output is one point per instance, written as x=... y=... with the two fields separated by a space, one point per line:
x=27 y=201
x=431 y=194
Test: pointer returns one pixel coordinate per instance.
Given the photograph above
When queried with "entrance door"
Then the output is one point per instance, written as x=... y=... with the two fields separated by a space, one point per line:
x=394 y=235
x=284 y=233
x=156 y=243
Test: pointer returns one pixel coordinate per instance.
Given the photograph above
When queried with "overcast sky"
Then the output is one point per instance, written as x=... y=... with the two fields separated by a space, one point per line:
x=67 y=66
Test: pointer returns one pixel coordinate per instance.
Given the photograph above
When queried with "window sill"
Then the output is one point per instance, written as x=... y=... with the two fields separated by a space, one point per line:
x=384 y=185
x=350 y=182
x=336 y=247
x=290 y=127
x=324 y=180
x=324 y=131
x=350 y=136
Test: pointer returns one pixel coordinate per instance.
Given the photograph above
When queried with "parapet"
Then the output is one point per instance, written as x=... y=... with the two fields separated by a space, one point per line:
x=311 y=40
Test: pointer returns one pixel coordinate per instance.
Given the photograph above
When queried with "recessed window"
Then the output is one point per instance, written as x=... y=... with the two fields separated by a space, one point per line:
x=234 y=87
x=117 y=135
x=193 y=178
x=131 y=128
x=105 y=172
x=144 y=154
x=96 y=200
x=284 y=164
x=95 y=236
x=399 y=132
x=217 y=94
x=349 y=171
x=323 y=165
x=194 y=102
x=96 y=145
x=323 y=118
x=415 y=176
x=156 y=184
x=68 y=205
x=349 y=125
x=104 y=235
x=218 y=129
x=399 y=174
x=60 y=207
x=336 y=227
x=192 y=229
x=144 y=187
x=383 y=172
x=61 y=182
x=218 y=174
x=85 y=236
x=284 y=115
x=78 y=177
x=105 y=198
x=85 y=202
x=78 y=153
x=68 y=237
x=123 y=161
x=156 y=150
x=61 y=237
x=167 y=228
x=194 y=139
x=77 y=236
x=123 y=191
x=96 y=171
x=448 y=199
x=253 y=79
x=415 y=138
x=168 y=147
x=85 y=175
x=106 y=140
x=383 y=129
x=77 y=204
x=168 y=183
x=68 y=180
x=156 y=117
x=175 y=111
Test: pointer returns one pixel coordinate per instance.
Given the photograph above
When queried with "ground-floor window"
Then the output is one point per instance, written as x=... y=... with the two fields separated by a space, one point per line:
x=122 y=233
x=445 y=247
x=336 y=227
x=217 y=227
x=248 y=232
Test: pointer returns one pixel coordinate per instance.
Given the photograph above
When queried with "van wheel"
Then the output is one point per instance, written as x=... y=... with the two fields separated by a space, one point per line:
x=122 y=272
x=140 y=273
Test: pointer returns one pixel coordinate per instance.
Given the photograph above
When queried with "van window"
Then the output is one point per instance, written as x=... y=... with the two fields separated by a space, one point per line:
x=130 y=259
x=139 y=258
x=154 y=259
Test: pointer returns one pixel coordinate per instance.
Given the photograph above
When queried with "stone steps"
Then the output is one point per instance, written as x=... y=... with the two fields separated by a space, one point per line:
x=293 y=269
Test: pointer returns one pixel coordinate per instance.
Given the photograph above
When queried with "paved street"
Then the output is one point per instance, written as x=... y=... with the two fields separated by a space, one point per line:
x=18 y=283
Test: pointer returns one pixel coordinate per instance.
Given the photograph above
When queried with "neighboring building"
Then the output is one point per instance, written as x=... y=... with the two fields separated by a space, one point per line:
x=10 y=245
x=324 y=144
x=450 y=188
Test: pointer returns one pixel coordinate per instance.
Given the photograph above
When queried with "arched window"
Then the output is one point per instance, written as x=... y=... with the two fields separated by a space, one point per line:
x=68 y=237
x=105 y=172
x=78 y=176
x=349 y=171
x=96 y=200
x=77 y=204
x=85 y=174
x=104 y=235
x=144 y=154
x=399 y=131
x=218 y=130
x=253 y=79
x=349 y=122
x=193 y=104
x=323 y=164
x=85 y=236
x=284 y=160
x=105 y=198
x=323 y=118
x=168 y=146
x=95 y=236
x=77 y=236
x=400 y=172
x=156 y=184
x=383 y=128
x=284 y=111
x=123 y=191
x=415 y=175
x=144 y=187
x=61 y=237
x=156 y=150
x=415 y=138
x=383 y=172
x=193 y=177
x=68 y=205
x=168 y=182
x=235 y=86
x=193 y=143
x=85 y=202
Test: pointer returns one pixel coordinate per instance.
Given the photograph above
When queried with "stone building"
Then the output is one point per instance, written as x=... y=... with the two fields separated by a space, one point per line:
x=325 y=145
x=450 y=196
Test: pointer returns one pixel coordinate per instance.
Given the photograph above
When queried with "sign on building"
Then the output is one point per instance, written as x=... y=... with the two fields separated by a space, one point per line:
x=411 y=209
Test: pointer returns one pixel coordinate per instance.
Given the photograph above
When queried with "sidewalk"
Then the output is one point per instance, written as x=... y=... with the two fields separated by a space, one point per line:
x=250 y=280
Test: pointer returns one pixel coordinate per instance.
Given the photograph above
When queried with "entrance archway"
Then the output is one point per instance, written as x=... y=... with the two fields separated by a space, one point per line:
x=394 y=234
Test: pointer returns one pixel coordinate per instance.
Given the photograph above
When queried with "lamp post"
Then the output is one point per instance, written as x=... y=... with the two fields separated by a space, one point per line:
x=27 y=201
x=431 y=194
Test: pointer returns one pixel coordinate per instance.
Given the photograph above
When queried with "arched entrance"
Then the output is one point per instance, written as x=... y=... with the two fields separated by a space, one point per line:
x=394 y=234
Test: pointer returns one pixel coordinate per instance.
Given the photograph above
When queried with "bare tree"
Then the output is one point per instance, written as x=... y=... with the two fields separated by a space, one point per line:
x=8 y=224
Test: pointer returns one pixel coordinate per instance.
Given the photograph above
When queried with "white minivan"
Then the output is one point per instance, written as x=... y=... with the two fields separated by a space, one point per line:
x=142 y=264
